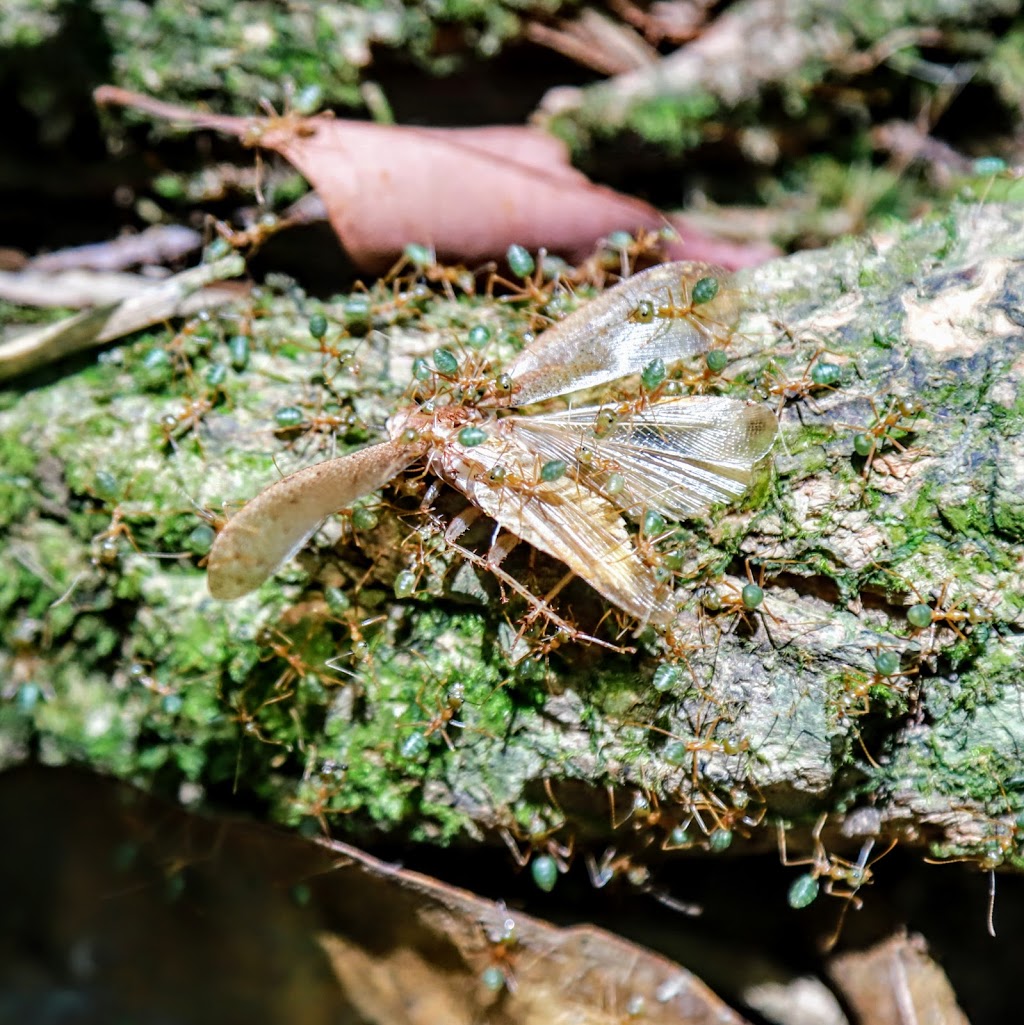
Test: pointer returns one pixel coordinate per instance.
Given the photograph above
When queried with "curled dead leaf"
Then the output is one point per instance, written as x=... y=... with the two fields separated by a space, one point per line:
x=467 y=192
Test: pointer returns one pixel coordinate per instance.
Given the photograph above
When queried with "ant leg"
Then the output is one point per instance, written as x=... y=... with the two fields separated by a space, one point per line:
x=430 y=495
x=600 y=872
x=501 y=547
x=461 y=523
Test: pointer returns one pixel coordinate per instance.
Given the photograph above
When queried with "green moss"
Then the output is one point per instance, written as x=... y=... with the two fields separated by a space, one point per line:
x=969 y=518
x=1008 y=519
x=12 y=313
x=17 y=467
x=28 y=23
x=1004 y=66
x=675 y=123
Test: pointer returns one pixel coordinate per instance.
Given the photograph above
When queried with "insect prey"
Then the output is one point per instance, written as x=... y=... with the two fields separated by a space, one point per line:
x=560 y=480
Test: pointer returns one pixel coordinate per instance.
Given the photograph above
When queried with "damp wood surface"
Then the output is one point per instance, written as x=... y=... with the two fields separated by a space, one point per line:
x=333 y=697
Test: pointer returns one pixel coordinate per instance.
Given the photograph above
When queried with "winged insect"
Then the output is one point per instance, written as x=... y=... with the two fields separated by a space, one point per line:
x=559 y=480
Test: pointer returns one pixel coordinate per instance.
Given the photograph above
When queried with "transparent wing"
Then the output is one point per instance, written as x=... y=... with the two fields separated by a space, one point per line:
x=274 y=525
x=676 y=456
x=570 y=522
x=645 y=317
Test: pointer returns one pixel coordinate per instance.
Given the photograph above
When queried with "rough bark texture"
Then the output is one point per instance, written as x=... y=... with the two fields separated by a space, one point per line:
x=325 y=694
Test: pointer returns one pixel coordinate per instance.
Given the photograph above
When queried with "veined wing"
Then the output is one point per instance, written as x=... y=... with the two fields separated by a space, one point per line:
x=675 y=456
x=646 y=317
x=571 y=523
x=274 y=525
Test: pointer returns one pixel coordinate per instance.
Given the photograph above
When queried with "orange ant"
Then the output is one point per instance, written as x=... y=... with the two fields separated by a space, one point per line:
x=988 y=859
x=842 y=878
x=423 y=262
x=531 y=273
x=176 y=425
x=142 y=674
x=250 y=727
x=290 y=120
x=502 y=953
x=869 y=441
x=1000 y=840
x=817 y=374
x=922 y=616
x=447 y=708
x=107 y=551
x=728 y=817
x=248 y=720
x=646 y=813
x=888 y=665
x=491 y=563
x=316 y=794
x=857 y=689
x=741 y=602
x=321 y=428
x=449 y=704
x=296 y=669
x=693 y=308
x=629 y=250
x=643 y=247
x=178 y=348
x=546 y=857
x=644 y=809
x=701 y=378
x=614 y=865
x=253 y=237
x=360 y=647
x=542 y=644
x=855 y=699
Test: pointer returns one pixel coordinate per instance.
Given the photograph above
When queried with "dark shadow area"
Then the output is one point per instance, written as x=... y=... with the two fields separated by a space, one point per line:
x=121 y=907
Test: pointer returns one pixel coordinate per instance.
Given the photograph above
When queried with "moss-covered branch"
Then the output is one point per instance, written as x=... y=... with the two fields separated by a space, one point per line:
x=336 y=690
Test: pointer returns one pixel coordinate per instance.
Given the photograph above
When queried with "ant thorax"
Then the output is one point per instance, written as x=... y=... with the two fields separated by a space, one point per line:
x=436 y=426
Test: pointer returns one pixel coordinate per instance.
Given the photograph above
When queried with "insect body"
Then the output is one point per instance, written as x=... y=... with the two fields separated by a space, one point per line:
x=557 y=480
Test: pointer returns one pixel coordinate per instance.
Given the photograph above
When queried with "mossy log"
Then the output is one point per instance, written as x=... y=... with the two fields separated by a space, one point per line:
x=328 y=701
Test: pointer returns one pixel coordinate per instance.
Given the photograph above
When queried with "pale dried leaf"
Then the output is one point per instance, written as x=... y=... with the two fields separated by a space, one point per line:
x=896 y=982
x=177 y=296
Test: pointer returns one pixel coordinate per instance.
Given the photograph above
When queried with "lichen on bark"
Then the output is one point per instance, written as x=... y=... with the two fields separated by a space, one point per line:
x=325 y=699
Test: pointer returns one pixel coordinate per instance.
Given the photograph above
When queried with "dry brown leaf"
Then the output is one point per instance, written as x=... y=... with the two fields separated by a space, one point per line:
x=141 y=911
x=424 y=931
x=896 y=982
x=468 y=192
x=595 y=41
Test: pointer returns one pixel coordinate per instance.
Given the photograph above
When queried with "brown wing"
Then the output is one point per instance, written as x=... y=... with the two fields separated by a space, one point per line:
x=568 y=521
x=274 y=525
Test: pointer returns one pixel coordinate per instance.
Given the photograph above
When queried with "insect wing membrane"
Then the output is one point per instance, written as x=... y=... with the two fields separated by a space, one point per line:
x=676 y=456
x=569 y=522
x=275 y=524
x=605 y=339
